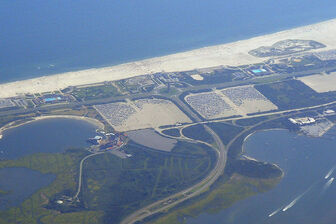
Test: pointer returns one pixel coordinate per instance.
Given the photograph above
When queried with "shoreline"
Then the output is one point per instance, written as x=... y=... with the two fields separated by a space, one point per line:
x=254 y=132
x=12 y=124
x=161 y=54
x=228 y=54
x=254 y=159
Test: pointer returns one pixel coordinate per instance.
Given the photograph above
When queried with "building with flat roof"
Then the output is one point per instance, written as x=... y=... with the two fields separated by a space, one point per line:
x=302 y=120
x=51 y=99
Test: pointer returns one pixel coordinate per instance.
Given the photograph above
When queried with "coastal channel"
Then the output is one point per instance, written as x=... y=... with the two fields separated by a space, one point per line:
x=306 y=194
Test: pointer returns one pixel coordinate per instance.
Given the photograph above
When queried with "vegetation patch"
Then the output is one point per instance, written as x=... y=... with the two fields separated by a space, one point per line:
x=119 y=187
x=32 y=210
x=197 y=132
x=294 y=94
x=224 y=194
x=256 y=169
x=174 y=132
x=250 y=121
x=95 y=92
x=225 y=131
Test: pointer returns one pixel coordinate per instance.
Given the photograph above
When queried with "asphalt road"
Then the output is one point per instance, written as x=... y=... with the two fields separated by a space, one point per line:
x=188 y=193
x=213 y=175
x=81 y=171
x=220 y=149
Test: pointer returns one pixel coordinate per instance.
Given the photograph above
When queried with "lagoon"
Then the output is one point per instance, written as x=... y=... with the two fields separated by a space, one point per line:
x=53 y=135
x=47 y=135
x=19 y=184
x=306 y=194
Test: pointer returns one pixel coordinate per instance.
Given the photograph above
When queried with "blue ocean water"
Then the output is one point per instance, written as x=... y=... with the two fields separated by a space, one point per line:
x=40 y=37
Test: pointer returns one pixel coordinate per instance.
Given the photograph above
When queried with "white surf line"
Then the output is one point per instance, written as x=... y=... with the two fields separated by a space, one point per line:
x=291 y=204
x=275 y=212
x=297 y=199
x=329 y=173
x=329 y=182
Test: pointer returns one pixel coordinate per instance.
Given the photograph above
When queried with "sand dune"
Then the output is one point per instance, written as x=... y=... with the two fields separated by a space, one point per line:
x=233 y=54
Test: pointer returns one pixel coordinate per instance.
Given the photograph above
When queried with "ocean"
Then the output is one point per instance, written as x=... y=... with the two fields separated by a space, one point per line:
x=39 y=37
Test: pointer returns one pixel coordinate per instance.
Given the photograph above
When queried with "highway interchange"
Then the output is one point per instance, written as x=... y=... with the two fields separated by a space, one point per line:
x=220 y=149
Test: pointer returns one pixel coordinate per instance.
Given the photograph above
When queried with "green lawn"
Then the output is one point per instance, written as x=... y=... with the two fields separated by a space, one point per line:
x=121 y=186
x=197 y=132
x=32 y=210
x=95 y=92
x=112 y=187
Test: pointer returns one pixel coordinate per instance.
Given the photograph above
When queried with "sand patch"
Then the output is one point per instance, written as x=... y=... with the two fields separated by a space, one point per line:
x=320 y=83
x=197 y=77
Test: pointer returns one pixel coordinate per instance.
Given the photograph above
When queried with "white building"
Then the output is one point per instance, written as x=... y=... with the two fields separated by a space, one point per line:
x=302 y=120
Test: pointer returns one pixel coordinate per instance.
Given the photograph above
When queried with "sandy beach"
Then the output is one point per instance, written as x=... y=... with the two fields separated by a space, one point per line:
x=14 y=124
x=231 y=54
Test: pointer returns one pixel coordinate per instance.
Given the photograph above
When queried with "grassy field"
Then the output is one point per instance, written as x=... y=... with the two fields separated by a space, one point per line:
x=197 y=132
x=95 y=92
x=17 y=117
x=249 y=121
x=112 y=187
x=225 y=131
x=168 y=91
x=174 y=132
x=121 y=186
x=294 y=94
x=65 y=167
x=223 y=194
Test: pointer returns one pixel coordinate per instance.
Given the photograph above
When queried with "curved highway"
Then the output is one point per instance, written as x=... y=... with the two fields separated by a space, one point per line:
x=188 y=193
x=214 y=174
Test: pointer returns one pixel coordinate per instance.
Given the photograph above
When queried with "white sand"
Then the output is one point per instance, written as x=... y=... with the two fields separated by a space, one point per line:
x=320 y=83
x=153 y=116
x=257 y=106
x=226 y=54
x=197 y=77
